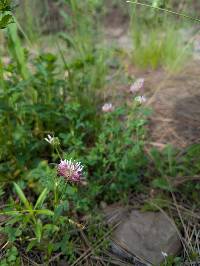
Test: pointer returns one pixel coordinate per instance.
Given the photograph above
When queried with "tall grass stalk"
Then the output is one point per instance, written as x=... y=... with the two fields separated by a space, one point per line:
x=17 y=50
x=27 y=14
x=83 y=38
x=156 y=41
x=165 y=10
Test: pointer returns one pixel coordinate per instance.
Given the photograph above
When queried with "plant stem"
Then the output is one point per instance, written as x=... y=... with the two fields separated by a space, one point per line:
x=165 y=10
x=56 y=148
x=55 y=194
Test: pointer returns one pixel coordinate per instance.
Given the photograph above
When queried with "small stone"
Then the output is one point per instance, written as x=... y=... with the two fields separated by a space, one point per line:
x=146 y=235
x=103 y=205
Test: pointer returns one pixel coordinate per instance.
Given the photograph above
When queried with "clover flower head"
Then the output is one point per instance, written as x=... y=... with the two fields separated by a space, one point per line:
x=164 y=254
x=52 y=140
x=107 y=107
x=49 y=139
x=137 y=85
x=72 y=171
x=140 y=99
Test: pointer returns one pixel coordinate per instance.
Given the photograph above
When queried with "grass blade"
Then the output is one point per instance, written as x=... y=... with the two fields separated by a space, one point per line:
x=45 y=212
x=22 y=197
x=165 y=10
x=17 y=50
x=41 y=198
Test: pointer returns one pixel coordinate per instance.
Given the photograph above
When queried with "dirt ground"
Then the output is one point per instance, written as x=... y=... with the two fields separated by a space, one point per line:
x=175 y=101
x=173 y=97
x=176 y=104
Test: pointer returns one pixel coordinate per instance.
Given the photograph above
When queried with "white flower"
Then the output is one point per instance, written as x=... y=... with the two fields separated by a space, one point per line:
x=164 y=254
x=49 y=139
x=141 y=99
x=107 y=107
x=137 y=85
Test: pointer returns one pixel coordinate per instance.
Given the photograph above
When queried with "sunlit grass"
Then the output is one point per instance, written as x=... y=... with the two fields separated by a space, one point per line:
x=161 y=47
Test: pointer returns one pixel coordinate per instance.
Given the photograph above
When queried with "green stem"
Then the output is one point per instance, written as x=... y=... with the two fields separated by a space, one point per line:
x=55 y=194
x=1 y=75
x=56 y=198
x=56 y=148
x=165 y=10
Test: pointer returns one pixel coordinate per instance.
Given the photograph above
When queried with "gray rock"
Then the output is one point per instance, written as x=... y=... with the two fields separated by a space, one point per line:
x=115 y=213
x=147 y=236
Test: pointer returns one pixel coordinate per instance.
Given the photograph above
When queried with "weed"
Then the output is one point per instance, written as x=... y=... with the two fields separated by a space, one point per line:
x=11 y=257
x=36 y=100
x=175 y=172
x=155 y=42
x=5 y=17
x=52 y=112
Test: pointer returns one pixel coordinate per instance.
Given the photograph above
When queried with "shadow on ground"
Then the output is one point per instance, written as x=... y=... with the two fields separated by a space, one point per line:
x=186 y=115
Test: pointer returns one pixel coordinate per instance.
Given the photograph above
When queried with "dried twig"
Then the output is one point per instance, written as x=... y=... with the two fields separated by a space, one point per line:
x=91 y=249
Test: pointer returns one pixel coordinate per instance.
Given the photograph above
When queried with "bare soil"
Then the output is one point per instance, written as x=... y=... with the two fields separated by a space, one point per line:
x=176 y=104
x=175 y=101
x=173 y=97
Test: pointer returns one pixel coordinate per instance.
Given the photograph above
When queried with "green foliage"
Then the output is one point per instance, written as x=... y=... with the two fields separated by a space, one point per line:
x=33 y=18
x=166 y=51
x=171 y=163
x=11 y=257
x=5 y=5
x=88 y=65
x=28 y=110
x=172 y=261
x=40 y=95
x=155 y=41
x=17 y=50
x=5 y=17
x=113 y=155
x=117 y=158
x=32 y=225
x=83 y=21
x=5 y=20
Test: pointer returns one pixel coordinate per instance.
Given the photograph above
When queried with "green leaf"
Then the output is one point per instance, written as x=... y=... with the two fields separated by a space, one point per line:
x=5 y=5
x=6 y=19
x=51 y=227
x=38 y=230
x=67 y=39
x=41 y=198
x=45 y=212
x=22 y=197
x=32 y=244
x=10 y=212
x=162 y=183
x=17 y=50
